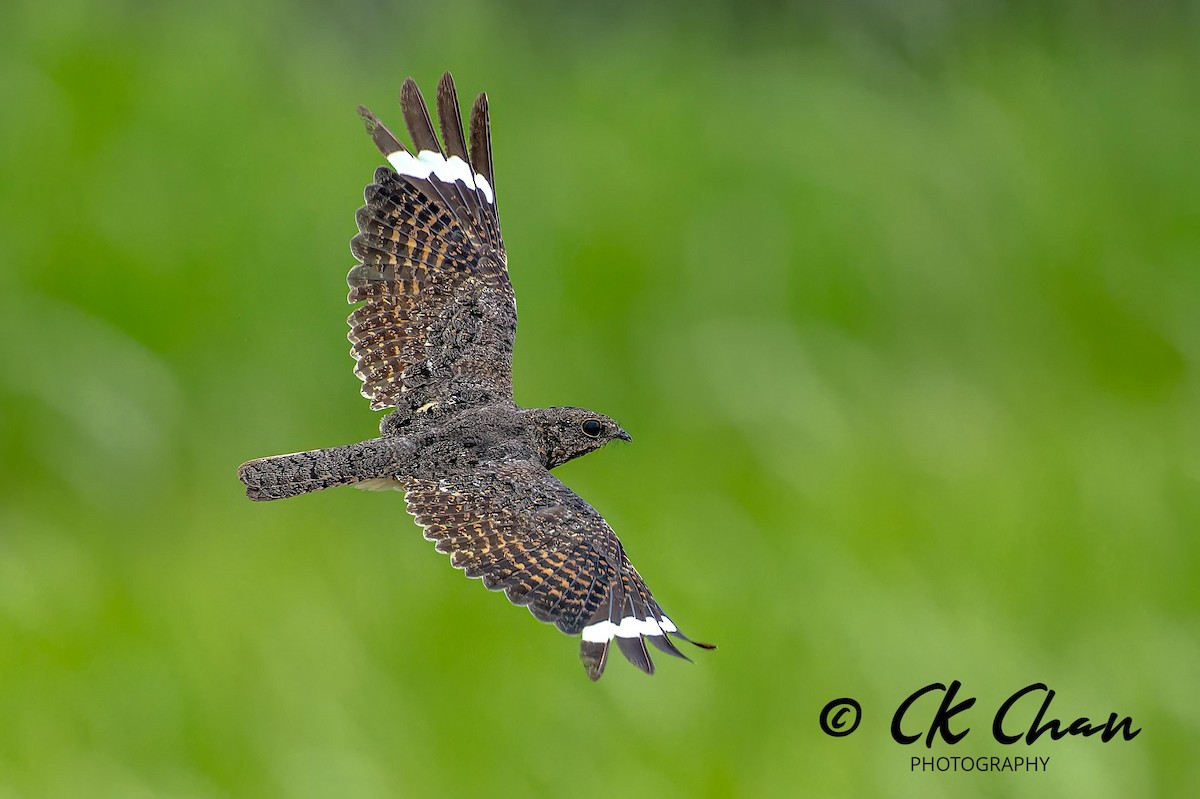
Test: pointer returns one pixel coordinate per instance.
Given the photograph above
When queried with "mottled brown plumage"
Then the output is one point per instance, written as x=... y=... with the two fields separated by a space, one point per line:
x=432 y=339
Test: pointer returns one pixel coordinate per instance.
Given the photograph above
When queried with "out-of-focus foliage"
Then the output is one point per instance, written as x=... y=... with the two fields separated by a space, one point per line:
x=901 y=302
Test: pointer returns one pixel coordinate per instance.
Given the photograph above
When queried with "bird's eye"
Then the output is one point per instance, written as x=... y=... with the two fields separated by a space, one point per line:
x=592 y=427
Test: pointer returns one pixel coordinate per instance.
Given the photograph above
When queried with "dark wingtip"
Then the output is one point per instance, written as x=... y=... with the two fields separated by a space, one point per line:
x=594 y=656
x=450 y=119
x=663 y=643
x=700 y=644
x=416 y=118
x=370 y=121
x=409 y=90
x=634 y=650
x=481 y=139
x=384 y=139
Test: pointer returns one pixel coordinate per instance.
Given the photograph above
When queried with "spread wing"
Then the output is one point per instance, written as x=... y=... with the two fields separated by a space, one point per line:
x=438 y=310
x=520 y=530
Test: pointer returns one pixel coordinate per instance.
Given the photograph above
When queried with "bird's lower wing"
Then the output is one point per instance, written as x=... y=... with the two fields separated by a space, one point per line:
x=520 y=530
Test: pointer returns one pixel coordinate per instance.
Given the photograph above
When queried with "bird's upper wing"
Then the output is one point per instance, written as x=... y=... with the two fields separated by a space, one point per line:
x=520 y=530
x=438 y=309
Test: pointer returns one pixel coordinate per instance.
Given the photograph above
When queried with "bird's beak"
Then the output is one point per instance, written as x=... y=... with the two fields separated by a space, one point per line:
x=624 y=436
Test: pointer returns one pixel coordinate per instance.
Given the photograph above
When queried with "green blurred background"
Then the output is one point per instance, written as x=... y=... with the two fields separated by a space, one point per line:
x=900 y=301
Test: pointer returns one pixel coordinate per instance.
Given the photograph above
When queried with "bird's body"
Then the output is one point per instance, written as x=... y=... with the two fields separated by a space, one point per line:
x=433 y=341
x=431 y=446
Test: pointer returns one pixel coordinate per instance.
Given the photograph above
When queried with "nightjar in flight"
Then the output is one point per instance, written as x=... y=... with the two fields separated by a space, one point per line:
x=432 y=339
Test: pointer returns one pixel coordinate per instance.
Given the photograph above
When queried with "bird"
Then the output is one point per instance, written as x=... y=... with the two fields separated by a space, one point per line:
x=432 y=338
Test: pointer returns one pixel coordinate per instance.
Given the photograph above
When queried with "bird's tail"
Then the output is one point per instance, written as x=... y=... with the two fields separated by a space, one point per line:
x=283 y=476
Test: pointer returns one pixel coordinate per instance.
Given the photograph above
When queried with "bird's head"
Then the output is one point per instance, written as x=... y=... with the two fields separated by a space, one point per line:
x=567 y=433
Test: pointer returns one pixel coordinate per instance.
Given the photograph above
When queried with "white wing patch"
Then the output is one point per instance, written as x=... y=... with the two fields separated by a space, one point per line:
x=482 y=183
x=427 y=163
x=630 y=627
